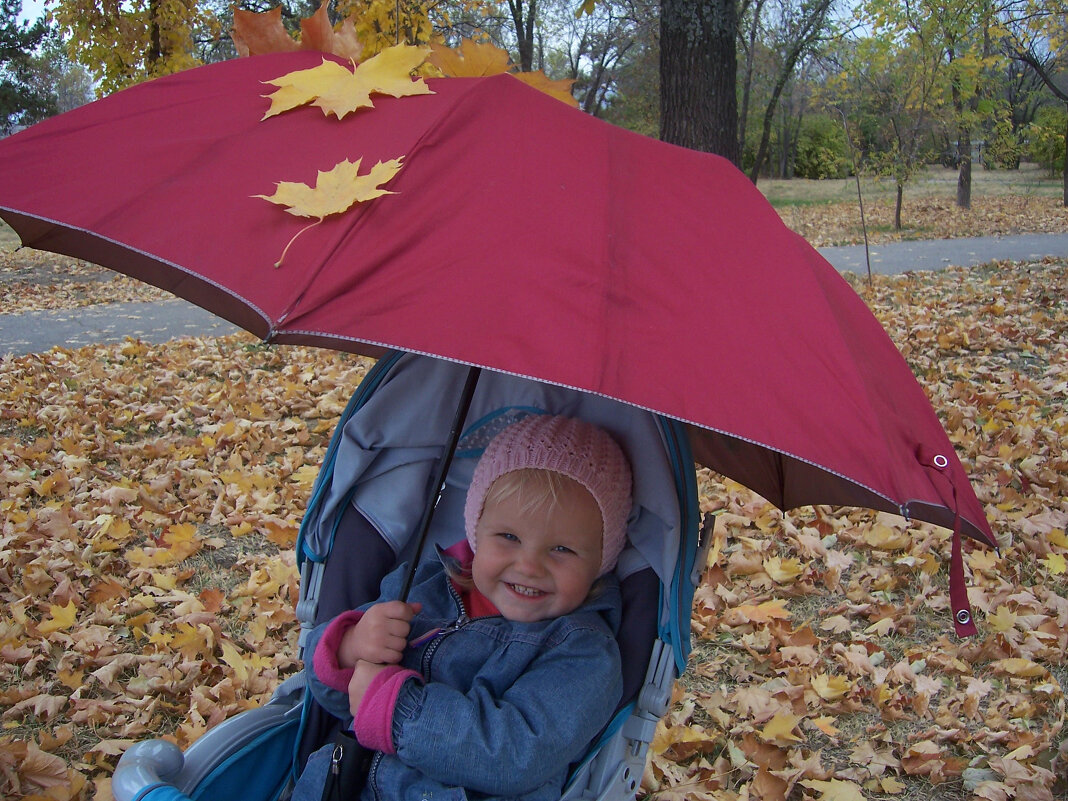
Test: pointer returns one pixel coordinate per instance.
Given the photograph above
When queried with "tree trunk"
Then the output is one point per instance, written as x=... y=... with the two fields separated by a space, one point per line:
x=964 y=177
x=698 y=70
x=897 y=206
x=765 y=130
x=155 y=46
x=747 y=77
x=1066 y=159
x=523 y=20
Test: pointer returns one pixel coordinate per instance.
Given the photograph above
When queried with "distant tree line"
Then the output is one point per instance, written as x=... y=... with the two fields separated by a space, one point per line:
x=781 y=87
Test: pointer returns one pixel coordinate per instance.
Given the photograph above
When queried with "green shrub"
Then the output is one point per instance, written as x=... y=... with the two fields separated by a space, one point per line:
x=1004 y=148
x=1045 y=139
x=822 y=151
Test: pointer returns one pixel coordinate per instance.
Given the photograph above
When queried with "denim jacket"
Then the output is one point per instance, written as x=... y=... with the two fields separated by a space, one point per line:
x=506 y=707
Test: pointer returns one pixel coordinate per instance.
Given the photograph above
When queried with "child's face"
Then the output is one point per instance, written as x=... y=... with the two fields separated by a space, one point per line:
x=536 y=564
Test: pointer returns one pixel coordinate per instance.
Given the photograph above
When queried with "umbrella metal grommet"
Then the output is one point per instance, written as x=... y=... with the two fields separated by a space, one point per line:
x=963 y=617
x=940 y=461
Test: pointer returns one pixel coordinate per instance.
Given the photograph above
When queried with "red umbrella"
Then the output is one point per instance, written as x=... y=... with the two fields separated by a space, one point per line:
x=525 y=237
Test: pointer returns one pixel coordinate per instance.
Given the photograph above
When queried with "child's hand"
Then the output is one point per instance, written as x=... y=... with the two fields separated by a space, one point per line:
x=362 y=676
x=381 y=635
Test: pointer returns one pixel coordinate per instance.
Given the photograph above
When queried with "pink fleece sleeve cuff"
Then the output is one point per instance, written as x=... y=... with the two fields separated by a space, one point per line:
x=373 y=725
x=324 y=661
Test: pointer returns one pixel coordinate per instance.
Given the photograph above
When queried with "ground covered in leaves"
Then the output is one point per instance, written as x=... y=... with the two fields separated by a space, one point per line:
x=926 y=217
x=151 y=496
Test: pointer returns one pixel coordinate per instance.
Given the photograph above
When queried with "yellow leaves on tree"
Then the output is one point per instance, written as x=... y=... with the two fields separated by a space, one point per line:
x=123 y=43
x=256 y=33
x=482 y=59
x=368 y=27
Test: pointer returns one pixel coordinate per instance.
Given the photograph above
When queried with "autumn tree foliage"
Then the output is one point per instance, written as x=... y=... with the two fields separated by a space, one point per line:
x=21 y=101
x=1036 y=34
x=889 y=92
x=124 y=43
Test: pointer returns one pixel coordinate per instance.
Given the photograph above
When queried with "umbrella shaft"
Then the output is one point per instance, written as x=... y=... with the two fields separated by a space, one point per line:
x=439 y=478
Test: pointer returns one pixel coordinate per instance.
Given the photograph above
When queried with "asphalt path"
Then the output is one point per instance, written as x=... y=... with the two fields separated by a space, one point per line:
x=34 y=332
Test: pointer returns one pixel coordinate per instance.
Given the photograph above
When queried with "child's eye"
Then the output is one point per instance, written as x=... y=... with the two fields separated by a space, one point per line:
x=562 y=549
x=508 y=536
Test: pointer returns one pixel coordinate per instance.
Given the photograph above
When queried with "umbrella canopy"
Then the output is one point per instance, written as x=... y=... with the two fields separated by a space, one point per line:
x=524 y=237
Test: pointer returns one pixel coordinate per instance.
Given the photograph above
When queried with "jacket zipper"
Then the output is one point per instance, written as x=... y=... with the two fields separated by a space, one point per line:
x=461 y=621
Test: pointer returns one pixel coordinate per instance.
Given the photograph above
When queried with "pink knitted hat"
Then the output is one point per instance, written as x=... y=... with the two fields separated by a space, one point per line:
x=574 y=448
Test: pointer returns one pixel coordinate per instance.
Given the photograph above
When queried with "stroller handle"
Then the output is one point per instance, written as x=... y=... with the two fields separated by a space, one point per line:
x=147 y=766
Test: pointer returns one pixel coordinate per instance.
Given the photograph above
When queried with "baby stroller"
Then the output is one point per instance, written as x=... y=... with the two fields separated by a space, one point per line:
x=368 y=499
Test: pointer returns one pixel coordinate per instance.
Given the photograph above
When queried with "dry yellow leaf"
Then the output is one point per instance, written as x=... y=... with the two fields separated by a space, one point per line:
x=759 y=613
x=233 y=657
x=783 y=571
x=1018 y=666
x=780 y=729
x=831 y=688
x=825 y=724
x=335 y=190
x=837 y=624
x=835 y=790
x=886 y=539
x=336 y=90
x=890 y=785
x=1002 y=620
x=305 y=475
x=560 y=89
x=1055 y=564
x=60 y=618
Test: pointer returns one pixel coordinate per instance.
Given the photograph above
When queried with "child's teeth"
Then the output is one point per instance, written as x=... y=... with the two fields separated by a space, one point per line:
x=524 y=590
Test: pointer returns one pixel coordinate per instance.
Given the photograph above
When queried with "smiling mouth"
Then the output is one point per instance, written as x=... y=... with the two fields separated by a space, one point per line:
x=526 y=592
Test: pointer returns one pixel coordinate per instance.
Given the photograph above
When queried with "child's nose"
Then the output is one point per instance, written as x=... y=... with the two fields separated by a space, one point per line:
x=530 y=563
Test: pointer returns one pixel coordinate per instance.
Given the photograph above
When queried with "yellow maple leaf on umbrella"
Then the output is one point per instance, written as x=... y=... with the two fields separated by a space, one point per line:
x=338 y=90
x=335 y=190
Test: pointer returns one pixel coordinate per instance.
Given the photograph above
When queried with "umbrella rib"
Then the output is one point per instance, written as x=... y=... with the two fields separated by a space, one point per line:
x=157 y=259
x=903 y=507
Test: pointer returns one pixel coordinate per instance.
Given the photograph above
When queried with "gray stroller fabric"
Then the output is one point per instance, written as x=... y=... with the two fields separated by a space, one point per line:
x=385 y=460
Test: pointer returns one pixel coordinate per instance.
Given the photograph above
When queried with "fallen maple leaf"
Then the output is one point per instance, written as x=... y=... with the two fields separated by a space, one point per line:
x=43 y=769
x=336 y=90
x=835 y=790
x=783 y=571
x=335 y=190
x=1019 y=667
x=780 y=729
x=60 y=618
x=831 y=688
x=760 y=613
x=1055 y=564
